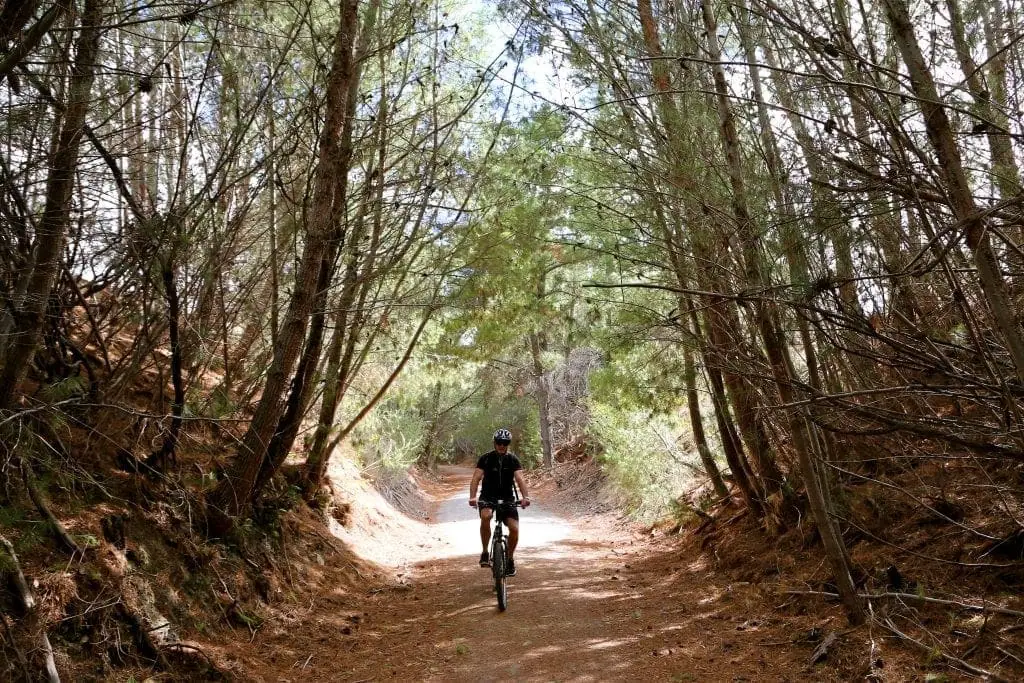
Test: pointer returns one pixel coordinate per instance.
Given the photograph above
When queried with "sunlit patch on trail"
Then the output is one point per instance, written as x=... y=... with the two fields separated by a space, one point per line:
x=458 y=527
x=606 y=643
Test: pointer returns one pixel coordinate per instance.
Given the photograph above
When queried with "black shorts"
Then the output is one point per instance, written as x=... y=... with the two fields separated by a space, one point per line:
x=505 y=512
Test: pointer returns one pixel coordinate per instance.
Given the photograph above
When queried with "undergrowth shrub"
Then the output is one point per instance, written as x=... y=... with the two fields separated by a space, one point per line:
x=636 y=460
x=518 y=415
x=390 y=438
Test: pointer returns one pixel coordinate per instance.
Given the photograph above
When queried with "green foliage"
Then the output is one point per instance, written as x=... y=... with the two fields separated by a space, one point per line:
x=31 y=537
x=391 y=437
x=517 y=414
x=248 y=619
x=682 y=514
x=11 y=516
x=62 y=390
x=87 y=541
x=6 y=563
x=644 y=377
x=221 y=404
x=635 y=459
x=197 y=584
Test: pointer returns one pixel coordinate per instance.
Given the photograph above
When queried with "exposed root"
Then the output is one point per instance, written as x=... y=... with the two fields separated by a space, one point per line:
x=913 y=597
x=40 y=502
x=956 y=661
x=199 y=659
x=29 y=604
x=142 y=635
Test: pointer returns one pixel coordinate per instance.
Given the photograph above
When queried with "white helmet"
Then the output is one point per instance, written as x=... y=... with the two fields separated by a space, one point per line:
x=503 y=435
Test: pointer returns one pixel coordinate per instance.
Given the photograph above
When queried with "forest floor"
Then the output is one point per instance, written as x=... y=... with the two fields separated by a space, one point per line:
x=596 y=599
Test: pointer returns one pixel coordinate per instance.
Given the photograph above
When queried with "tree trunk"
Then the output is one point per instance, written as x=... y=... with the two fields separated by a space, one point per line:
x=542 y=400
x=53 y=227
x=231 y=496
x=336 y=377
x=720 y=314
x=301 y=389
x=940 y=134
x=790 y=238
x=773 y=341
x=696 y=423
x=160 y=458
x=428 y=454
x=990 y=119
x=745 y=480
x=302 y=384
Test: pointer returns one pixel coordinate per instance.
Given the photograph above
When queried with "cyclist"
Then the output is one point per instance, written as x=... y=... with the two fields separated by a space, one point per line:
x=501 y=472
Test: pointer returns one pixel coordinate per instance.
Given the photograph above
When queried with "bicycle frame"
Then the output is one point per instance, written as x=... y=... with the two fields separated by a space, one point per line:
x=499 y=547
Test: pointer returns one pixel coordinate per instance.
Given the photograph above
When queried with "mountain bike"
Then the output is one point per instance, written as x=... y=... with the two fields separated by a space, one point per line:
x=499 y=548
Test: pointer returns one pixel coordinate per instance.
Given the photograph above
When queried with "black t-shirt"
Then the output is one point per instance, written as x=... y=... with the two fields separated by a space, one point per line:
x=499 y=475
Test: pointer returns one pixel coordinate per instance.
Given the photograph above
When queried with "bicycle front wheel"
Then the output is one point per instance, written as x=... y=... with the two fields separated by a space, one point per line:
x=498 y=567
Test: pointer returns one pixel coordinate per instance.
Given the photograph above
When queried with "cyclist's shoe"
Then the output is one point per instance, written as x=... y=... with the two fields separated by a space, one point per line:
x=510 y=570
x=484 y=559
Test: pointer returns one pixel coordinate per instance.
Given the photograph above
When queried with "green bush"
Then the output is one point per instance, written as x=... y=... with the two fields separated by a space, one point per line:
x=636 y=460
x=390 y=438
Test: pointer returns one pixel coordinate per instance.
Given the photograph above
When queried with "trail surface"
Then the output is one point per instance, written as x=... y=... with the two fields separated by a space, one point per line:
x=594 y=600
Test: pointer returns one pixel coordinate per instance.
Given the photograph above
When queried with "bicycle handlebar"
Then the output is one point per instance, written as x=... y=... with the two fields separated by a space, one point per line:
x=498 y=503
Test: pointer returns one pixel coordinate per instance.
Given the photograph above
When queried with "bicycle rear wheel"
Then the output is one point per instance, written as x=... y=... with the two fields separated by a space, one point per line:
x=498 y=568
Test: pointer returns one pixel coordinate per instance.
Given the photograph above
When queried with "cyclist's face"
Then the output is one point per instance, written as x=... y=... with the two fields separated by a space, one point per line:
x=501 y=446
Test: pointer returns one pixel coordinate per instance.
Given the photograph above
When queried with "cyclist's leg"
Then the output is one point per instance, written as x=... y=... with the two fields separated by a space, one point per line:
x=513 y=534
x=485 y=527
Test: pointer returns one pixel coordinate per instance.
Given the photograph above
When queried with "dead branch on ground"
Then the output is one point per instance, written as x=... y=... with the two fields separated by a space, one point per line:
x=28 y=604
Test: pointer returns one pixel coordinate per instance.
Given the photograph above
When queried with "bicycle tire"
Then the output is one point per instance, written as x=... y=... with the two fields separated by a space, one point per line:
x=502 y=595
x=498 y=568
x=502 y=586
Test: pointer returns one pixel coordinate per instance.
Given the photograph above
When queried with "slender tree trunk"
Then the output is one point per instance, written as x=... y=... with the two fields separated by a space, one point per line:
x=160 y=458
x=302 y=384
x=52 y=228
x=336 y=378
x=746 y=481
x=790 y=237
x=940 y=134
x=772 y=338
x=722 y=323
x=542 y=400
x=275 y=267
x=231 y=496
x=990 y=120
x=697 y=424
x=301 y=389
x=721 y=317
x=429 y=453
x=316 y=461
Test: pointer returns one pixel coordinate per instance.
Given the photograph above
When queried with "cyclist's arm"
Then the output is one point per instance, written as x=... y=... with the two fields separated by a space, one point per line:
x=521 y=483
x=474 y=483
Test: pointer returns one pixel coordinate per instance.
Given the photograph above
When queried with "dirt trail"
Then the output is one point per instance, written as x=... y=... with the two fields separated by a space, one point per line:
x=594 y=600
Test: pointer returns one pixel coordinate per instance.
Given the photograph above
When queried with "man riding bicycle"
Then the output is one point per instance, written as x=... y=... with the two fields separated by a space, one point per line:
x=501 y=472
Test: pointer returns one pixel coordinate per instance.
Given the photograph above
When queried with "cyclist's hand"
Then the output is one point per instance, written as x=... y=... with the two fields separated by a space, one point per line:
x=472 y=502
x=525 y=502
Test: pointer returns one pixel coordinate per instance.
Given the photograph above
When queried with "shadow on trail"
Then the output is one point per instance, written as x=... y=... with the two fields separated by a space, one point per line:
x=565 y=621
